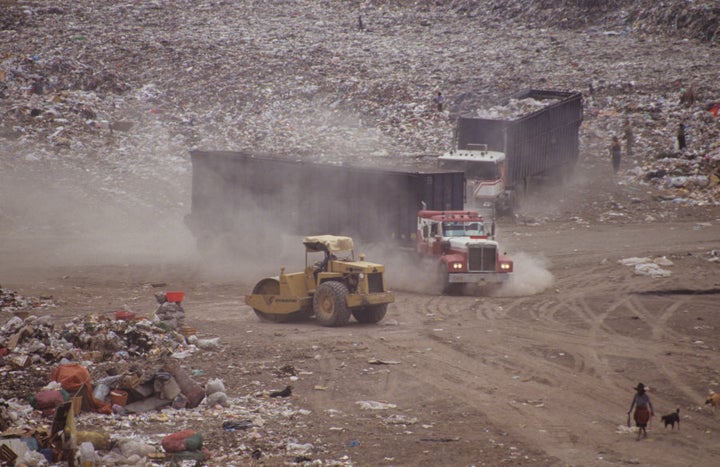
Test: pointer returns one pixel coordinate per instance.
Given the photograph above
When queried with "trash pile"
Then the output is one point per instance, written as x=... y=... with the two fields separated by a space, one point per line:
x=105 y=389
x=98 y=339
x=170 y=312
x=645 y=266
x=48 y=368
x=699 y=19
x=11 y=301
x=514 y=108
x=126 y=102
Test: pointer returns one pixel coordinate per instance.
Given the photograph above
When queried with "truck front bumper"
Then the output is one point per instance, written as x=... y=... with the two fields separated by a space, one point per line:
x=478 y=277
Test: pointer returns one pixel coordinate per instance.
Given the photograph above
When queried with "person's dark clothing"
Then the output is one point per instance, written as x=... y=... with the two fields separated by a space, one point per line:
x=615 y=152
x=643 y=409
x=681 y=137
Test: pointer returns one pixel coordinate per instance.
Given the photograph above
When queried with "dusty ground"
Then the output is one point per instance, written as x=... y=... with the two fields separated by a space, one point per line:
x=541 y=379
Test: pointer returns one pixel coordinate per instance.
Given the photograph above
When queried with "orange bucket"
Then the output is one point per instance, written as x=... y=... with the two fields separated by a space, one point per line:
x=175 y=297
x=118 y=397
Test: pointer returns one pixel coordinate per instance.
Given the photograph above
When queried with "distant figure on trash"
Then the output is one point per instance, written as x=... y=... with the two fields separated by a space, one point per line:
x=615 y=153
x=439 y=100
x=643 y=410
x=681 y=137
x=629 y=138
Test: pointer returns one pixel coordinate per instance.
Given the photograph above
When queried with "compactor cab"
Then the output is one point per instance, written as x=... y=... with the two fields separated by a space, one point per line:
x=333 y=286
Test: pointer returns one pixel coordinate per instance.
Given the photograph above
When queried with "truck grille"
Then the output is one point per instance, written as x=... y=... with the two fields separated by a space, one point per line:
x=482 y=258
x=375 y=282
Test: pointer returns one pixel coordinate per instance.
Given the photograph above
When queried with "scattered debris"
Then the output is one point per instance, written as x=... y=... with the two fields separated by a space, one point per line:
x=375 y=405
x=648 y=266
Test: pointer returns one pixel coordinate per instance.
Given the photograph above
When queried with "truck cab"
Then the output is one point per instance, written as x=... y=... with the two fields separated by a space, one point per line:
x=463 y=245
x=485 y=175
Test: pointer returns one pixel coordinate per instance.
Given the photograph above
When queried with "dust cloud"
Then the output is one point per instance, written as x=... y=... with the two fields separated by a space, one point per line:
x=530 y=276
x=405 y=271
x=76 y=212
x=55 y=219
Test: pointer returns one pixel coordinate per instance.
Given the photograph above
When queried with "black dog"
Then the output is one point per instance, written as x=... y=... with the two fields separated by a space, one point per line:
x=671 y=419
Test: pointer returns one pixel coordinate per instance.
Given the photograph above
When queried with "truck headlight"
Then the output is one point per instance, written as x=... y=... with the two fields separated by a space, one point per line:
x=505 y=266
x=457 y=266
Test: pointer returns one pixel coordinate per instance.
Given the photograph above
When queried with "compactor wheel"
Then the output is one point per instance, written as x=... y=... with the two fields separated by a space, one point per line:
x=370 y=314
x=269 y=286
x=329 y=304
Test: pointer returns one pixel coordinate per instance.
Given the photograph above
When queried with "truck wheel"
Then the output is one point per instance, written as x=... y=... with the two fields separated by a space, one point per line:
x=443 y=279
x=329 y=304
x=370 y=314
x=269 y=286
x=445 y=286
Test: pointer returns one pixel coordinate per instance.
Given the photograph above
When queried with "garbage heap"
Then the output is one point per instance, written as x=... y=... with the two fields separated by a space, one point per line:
x=131 y=359
x=35 y=342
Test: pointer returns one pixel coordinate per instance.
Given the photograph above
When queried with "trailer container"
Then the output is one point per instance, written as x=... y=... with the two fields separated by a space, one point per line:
x=242 y=193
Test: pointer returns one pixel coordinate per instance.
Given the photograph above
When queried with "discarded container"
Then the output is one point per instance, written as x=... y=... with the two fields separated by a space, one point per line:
x=180 y=402
x=187 y=331
x=217 y=398
x=213 y=386
x=77 y=405
x=101 y=391
x=87 y=454
x=99 y=440
x=174 y=297
x=186 y=440
x=124 y=315
x=191 y=389
x=166 y=385
x=208 y=344
x=11 y=450
x=119 y=397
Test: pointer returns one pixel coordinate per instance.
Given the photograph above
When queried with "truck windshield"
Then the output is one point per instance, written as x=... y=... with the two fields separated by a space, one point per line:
x=480 y=170
x=463 y=229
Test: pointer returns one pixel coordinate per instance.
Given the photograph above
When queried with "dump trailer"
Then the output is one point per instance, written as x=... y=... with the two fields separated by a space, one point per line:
x=502 y=155
x=242 y=195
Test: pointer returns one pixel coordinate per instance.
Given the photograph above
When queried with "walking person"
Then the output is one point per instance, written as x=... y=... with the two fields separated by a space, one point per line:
x=439 y=100
x=615 y=153
x=643 y=410
x=681 y=136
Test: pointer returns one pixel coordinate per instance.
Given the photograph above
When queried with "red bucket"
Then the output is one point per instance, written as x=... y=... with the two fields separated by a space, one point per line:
x=124 y=315
x=175 y=297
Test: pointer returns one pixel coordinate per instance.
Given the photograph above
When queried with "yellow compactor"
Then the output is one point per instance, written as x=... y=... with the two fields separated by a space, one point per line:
x=331 y=289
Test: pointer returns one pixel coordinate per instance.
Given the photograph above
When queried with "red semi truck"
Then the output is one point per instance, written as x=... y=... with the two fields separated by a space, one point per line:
x=463 y=245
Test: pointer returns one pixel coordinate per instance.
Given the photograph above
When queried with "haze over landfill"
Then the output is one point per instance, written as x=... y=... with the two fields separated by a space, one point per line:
x=102 y=102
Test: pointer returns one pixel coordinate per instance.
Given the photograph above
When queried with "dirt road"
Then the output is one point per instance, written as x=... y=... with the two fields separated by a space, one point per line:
x=540 y=375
